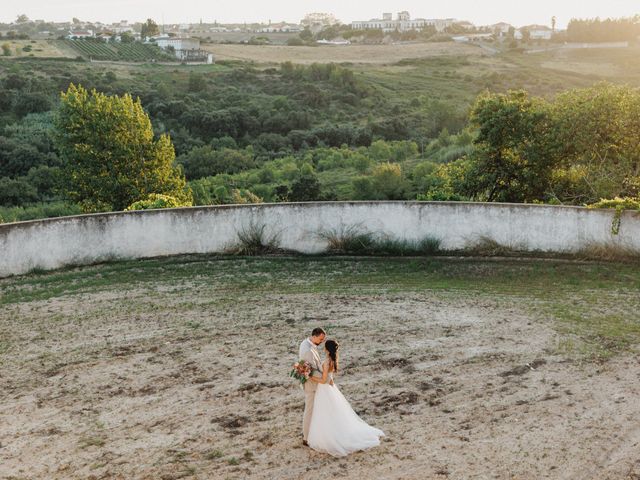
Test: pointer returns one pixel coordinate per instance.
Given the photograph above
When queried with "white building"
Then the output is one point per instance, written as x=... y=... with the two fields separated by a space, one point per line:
x=80 y=34
x=501 y=29
x=401 y=24
x=122 y=27
x=178 y=43
x=185 y=49
x=536 y=32
x=318 y=21
x=281 y=27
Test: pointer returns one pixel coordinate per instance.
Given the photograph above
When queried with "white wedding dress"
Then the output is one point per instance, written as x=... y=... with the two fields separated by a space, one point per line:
x=335 y=428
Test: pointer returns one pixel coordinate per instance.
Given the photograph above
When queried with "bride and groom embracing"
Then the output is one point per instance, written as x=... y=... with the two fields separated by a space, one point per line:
x=330 y=425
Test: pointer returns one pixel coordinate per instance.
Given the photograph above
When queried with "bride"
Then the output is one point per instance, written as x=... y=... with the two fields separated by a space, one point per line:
x=335 y=428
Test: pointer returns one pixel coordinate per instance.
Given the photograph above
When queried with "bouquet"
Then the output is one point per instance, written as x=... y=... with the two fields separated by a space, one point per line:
x=301 y=371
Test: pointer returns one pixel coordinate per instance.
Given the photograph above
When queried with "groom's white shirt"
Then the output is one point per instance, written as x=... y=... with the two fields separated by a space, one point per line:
x=309 y=352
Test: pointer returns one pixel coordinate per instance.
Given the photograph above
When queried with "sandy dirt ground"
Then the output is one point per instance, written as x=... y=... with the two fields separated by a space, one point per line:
x=187 y=380
x=362 y=54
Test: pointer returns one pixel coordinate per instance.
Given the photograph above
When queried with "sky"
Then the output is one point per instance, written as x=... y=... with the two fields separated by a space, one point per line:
x=480 y=12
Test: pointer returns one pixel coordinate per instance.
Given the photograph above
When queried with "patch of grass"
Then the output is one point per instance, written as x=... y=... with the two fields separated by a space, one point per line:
x=597 y=336
x=348 y=240
x=424 y=247
x=608 y=253
x=214 y=455
x=488 y=247
x=253 y=240
x=353 y=241
x=92 y=441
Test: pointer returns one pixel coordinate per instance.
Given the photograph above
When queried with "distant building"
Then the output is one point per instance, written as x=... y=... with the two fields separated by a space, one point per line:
x=473 y=37
x=402 y=24
x=281 y=27
x=178 y=43
x=536 y=32
x=122 y=27
x=317 y=21
x=185 y=49
x=466 y=25
x=74 y=34
x=501 y=29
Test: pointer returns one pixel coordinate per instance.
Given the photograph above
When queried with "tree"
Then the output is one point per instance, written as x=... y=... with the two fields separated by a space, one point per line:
x=111 y=156
x=514 y=156
x=553 y=24
x=305 y=189
x=149 y=29
x=306 y=35
x=22 y=19
x=388 y=182
x=205 y=161
x=609 y=30
x=597 y=132
x=6 y=50
x=126 y=37
x=16 y=192
x=197 y=82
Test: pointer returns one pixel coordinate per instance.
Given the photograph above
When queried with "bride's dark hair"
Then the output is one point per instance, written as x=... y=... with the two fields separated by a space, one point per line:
x=332 y=347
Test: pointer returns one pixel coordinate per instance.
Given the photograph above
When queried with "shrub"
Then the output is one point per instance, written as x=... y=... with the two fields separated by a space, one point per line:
x=155 y=201
x=253 y=240
x=388 y=181
x=240 y=197
x=620 y=204
x=355 y=241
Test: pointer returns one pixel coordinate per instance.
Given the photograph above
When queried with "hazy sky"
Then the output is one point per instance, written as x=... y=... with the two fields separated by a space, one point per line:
x=227 y=11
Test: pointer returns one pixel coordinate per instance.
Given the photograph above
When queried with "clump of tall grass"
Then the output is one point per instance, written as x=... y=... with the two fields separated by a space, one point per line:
x=488 y=247
x=608 y=253
x=352 y=241
x=253 y=240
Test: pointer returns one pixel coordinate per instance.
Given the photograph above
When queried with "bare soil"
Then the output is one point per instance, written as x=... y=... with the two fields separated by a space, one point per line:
x=188 y=379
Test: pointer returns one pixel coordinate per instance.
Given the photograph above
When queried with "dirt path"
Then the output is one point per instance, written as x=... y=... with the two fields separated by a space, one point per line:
x=187 y=381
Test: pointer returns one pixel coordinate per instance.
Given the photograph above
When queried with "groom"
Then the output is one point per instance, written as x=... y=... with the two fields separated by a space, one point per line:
x=309 y=353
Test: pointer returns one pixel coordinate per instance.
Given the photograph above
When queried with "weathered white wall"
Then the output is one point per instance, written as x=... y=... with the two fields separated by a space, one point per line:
x=85 y=239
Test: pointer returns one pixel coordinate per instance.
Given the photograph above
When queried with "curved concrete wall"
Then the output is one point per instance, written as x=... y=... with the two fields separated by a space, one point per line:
x=85 y=239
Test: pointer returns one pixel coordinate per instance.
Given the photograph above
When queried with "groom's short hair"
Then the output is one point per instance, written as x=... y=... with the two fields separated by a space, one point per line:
x=317 y=332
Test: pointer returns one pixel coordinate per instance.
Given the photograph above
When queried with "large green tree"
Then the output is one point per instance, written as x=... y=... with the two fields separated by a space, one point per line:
x=598 y=131
x=515 y=152
x=111 y=156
